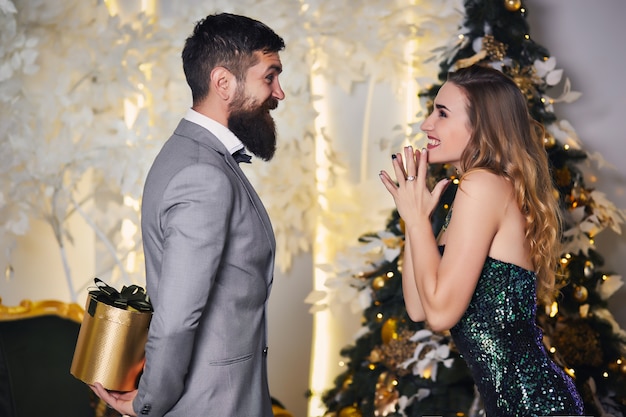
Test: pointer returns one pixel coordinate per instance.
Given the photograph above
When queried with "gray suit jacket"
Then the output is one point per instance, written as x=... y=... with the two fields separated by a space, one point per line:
x=209 y=249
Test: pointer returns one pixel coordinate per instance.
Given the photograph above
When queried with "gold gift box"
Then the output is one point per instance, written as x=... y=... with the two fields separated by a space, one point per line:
x=110 y=346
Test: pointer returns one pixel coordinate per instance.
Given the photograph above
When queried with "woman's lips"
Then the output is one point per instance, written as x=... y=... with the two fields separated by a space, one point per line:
x=433 y=143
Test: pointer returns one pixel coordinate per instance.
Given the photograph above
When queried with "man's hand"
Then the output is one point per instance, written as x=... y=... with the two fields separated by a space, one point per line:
x=122 y=402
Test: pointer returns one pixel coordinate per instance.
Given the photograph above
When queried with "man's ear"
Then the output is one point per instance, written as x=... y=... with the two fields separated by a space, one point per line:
x=223 y=82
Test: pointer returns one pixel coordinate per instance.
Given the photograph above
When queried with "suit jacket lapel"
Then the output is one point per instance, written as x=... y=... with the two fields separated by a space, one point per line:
x=208 y=140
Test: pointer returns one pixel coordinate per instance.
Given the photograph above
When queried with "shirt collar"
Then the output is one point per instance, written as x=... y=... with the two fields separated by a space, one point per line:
x=223 y=134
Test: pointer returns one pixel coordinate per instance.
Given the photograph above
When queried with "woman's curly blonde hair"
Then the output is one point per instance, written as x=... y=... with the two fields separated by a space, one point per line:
x=508 y=142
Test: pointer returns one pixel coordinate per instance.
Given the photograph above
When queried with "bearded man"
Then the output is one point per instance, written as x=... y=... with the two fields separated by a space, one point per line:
x=208 y=241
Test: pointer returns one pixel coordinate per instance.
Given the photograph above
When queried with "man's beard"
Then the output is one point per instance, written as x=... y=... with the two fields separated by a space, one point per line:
x=254 y=126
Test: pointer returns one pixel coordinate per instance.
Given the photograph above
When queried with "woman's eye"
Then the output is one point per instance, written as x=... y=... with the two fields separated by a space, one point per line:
x=442 y=113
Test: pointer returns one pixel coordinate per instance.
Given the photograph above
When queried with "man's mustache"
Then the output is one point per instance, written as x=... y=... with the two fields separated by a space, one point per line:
x=270 y=104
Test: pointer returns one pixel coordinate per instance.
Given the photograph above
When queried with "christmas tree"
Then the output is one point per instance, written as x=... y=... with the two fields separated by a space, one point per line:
x=400 y=368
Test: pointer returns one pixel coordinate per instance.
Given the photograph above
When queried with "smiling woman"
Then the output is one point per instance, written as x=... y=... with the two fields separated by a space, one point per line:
x=507 y=208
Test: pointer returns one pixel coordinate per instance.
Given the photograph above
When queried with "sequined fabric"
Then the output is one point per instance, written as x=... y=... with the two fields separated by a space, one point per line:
x=503 y=348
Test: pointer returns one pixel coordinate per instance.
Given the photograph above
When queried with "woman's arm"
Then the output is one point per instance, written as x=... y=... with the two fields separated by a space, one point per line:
x=445 y=284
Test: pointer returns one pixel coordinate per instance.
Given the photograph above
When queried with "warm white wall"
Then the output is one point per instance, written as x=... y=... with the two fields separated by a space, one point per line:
x=290 y=329
x=586 y=38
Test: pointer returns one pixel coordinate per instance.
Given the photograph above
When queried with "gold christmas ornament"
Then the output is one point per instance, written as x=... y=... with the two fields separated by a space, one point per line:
x=393 y=242
x=578 y=343
x=495 y=49
x=588 y=269
x=512 y=5
x=526 y=79
x=401 y=262
x=347 y=382
x=580 y=293
x=350 y=411
x=389 y=330
x=378 y=283
x=563 y=176
x=549 y=141
x=397 y=351
x=386 y=394
x=402 y=225
x=376 y=355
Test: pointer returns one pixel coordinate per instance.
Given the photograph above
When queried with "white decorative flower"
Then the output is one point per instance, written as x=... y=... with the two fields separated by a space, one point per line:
x=432 y=349
x=606 y=315
x=608 y=286
x=546 y=70
x=564 y=132
x=7 y=7
x=345 y=282
x=606 y=213
x=586 y=226
x=404 y=401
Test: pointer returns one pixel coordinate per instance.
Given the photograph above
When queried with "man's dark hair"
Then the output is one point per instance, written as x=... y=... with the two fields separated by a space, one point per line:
x=225 y=40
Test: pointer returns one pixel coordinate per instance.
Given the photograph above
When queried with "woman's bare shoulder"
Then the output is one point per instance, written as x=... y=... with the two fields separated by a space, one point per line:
x=485 y=183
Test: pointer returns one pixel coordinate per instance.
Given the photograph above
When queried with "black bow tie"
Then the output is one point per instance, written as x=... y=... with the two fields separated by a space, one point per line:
x=242 y=156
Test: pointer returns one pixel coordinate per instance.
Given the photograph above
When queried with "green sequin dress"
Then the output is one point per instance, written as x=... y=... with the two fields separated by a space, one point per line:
x=502 y=345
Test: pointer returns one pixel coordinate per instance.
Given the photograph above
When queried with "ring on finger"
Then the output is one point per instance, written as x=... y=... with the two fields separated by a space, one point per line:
x=410 y=178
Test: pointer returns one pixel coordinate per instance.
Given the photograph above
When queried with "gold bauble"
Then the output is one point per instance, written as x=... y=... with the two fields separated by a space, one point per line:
x=386 y=396
x=378 y=283
x=589 y=269
x=350 y=411
x=563 y=176
x=376 y=355
x=563 y=274
x=9 y=272
x=549 y=141
x=580 y=293
x=578 y=343
x=389 y=330
x=347 y=382
x=386 y=381
x=512 y=5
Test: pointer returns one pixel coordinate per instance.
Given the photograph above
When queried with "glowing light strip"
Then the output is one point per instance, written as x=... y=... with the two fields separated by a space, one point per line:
x=320 y=351
x=148 y=6
x=325 y=337
x=116 y=7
